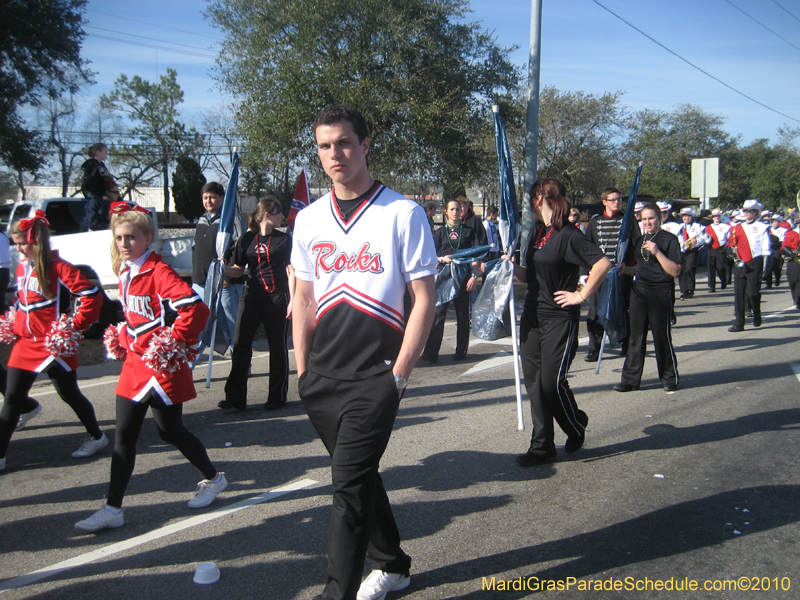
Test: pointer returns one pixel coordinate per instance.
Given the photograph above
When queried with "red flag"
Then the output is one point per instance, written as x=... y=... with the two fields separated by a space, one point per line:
x=301 y=198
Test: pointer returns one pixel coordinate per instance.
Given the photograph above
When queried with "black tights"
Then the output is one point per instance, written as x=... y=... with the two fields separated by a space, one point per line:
x=19 y=383
x=130 y=416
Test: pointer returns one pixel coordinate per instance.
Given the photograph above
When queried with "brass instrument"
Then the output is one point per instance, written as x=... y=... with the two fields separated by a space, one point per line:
x=734 y=249
x=689 y=244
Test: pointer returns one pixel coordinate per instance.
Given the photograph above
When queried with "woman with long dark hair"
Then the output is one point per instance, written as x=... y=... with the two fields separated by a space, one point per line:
x=549 y=325
x=267 y=299
x=658 y=262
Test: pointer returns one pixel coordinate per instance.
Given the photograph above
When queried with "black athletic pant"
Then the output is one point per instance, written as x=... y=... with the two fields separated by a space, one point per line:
x=354 y=420
x=651 y=309
x=688 y=272
x=130 y=416
x=717 y=267
x=16 y=401
x=256 y=307
x=434 y=343
x=793 y=277
x=747 y=288
x=547 y=352
x=593 y=325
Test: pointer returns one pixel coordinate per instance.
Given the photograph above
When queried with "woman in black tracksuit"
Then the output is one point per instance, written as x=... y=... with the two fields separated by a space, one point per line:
x=267 y=298
x=658 y=262
x=549 y=324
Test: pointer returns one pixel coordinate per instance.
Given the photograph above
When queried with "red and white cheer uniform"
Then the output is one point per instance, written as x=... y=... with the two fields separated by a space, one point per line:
x=143 y=285
x=36 y=313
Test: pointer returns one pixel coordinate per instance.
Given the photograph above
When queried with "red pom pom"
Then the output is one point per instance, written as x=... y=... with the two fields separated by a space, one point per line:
x=165 y=354
x=62 y=341
x=7 y=335
x=114 y=350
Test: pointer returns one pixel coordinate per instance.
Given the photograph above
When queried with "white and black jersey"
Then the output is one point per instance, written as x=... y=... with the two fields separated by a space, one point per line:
x=360 y=263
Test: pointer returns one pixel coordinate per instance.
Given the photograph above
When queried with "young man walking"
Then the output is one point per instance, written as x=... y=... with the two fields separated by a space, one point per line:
x=356 y=252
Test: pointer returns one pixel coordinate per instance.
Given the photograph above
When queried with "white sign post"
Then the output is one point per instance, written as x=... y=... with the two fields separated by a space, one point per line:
x=705 y=179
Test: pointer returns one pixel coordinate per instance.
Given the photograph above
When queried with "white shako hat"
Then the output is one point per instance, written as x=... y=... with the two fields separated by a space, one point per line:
x=638 y=207
x=688 y=211
x=716 y=212
x=664 y=206
x=752 y=205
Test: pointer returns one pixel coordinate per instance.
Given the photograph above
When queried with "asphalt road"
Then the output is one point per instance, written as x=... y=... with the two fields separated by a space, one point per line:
x=698 y=486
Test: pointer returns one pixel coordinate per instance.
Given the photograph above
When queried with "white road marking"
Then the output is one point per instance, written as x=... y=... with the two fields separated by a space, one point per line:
x=94 y=555
x=796 y=369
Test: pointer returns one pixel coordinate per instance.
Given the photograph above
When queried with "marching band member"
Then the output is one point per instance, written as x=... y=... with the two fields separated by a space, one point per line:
x=692 y=237
x=750 y=246
x=776 y=235
x=667 y=222
x=637 y=212
x=790 y=249
x=717 y=233
x=658 y=262
x=603 y=232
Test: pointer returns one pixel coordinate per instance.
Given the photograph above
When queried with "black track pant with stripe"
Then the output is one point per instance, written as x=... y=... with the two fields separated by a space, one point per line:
x=547 y=352
x=651 y=309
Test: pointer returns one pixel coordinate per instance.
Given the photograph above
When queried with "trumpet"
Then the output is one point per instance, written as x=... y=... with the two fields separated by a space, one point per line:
x=733 y=250
x=689 y=244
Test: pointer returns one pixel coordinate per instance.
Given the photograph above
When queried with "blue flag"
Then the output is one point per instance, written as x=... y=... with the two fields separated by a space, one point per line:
x=216 y=270
x=509 y=211
x=610 y=303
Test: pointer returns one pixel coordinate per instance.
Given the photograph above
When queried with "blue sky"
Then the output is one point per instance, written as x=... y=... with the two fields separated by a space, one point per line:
x=584 y=48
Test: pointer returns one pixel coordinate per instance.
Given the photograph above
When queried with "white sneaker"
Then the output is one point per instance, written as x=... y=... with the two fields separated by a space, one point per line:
x=102 y=519
x=207 y=490
x=380 y=583
x=25 y=417
x=90 y=446
x=3 y=463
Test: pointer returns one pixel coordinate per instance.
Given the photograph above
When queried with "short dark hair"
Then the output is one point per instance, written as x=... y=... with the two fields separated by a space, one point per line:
x=214 y=187
x=336 y=113
x=607 y=192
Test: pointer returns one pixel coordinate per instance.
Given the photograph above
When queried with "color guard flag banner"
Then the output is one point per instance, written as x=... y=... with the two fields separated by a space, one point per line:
x=494 y=312
x=610 y=301
x=217 y=337
x=301 y=198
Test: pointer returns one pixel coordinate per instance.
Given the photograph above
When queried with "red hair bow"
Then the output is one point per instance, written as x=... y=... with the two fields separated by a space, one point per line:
x=117 y=208
x=27 y=224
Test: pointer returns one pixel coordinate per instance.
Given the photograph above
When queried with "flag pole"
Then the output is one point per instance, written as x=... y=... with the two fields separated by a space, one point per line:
x=515 y=347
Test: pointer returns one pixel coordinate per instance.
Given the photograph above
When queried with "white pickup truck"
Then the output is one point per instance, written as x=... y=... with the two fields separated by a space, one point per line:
x=91 y=251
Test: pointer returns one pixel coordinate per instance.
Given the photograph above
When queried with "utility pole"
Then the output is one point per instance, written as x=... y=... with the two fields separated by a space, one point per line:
x=532 y=122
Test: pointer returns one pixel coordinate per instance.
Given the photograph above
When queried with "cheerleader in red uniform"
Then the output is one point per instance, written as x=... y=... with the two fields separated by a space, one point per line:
x=40 y=307
x=144 y=281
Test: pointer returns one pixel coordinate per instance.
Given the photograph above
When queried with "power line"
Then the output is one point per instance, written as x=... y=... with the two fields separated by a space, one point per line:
x=787 y=11
x=706 y=73
x=141 y=37
x=142 y=44
x=97 y=12
x=776 y=34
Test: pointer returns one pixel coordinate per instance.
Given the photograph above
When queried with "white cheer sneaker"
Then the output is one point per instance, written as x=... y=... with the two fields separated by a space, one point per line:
x=207 y=490
x=90 y=446
x=104 y=518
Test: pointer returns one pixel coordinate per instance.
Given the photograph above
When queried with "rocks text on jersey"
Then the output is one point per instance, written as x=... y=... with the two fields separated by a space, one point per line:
x=328 y=260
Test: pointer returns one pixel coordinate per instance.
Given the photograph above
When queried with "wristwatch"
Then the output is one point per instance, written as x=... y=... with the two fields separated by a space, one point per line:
x=400 y=382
